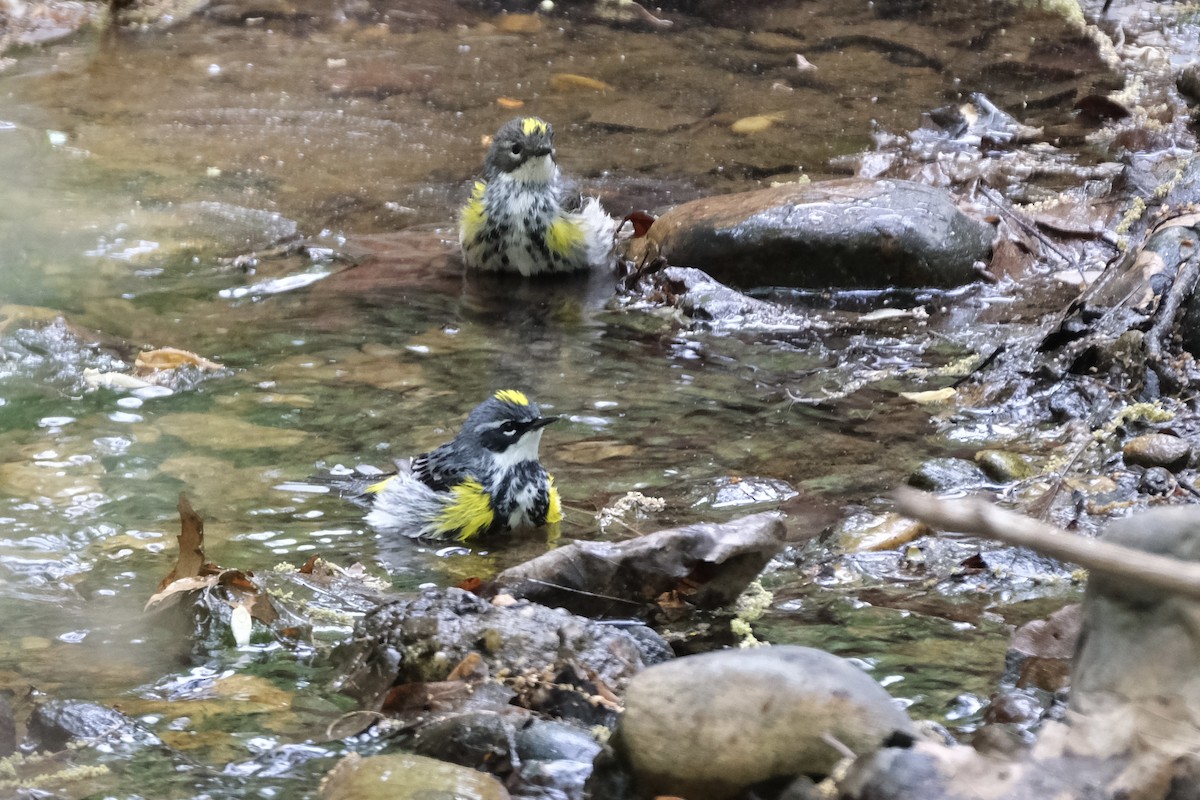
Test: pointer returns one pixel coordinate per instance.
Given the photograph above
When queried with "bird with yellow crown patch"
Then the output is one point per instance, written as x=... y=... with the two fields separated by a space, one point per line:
x=521 y=218
x=484 y=480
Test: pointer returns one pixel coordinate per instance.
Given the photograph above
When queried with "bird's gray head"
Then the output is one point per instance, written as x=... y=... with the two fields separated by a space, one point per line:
x=508 y=425
x=523 y=149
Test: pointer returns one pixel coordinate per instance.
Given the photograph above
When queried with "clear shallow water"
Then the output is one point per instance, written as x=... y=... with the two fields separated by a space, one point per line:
x=136 y=167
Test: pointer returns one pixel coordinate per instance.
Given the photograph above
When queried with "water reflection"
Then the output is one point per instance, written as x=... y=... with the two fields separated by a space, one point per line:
x=137 y=170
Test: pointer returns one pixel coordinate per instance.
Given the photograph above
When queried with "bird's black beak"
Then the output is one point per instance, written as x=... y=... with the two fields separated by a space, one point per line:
x=542 y=150
x=540 y=422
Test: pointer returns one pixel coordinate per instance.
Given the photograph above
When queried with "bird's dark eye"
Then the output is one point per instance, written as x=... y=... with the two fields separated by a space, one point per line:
x=508 y=428
x=516 y=149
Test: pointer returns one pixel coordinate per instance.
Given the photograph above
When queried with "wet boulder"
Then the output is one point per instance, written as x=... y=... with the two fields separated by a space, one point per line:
x=54 y=723
x=706 y=727
x=423 y=637
x=717 y=560
x=848 y=233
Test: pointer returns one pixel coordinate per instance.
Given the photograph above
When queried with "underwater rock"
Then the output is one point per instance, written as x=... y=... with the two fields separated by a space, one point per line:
x=402 y=776
x=54 y=723
x=706 y=727
x=848 y=233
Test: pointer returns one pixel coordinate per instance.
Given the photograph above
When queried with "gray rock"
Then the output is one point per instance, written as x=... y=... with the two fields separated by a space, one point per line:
x=54 y=723
x=1140 y=648
x=422 y=637
x=620 y=578
x=1158 y=450
x=942 y=474
x=847 y=233
x=705 y=727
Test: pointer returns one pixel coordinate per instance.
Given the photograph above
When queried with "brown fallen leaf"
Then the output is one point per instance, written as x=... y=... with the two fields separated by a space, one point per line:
x=640 y=221
x=165 y=358
x=510 y=103
x=432 y=696
x=191 y=544
x=567 y=81
x=169 y=594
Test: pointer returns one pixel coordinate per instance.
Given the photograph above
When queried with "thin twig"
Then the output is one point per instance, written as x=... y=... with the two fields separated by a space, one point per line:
x=981 y=518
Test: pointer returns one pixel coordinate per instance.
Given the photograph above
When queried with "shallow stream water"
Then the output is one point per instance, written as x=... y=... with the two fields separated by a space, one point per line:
x=137 y=166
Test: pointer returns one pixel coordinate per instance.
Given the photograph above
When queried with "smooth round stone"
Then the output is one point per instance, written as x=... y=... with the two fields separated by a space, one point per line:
x=1158 y=450
x=704 y=727
x=846 y=233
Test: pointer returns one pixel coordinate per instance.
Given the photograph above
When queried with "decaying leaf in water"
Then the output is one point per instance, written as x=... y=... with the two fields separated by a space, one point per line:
x=175 y=588
x=755 y=124
x=567 y=81
x=640 y=221
x=519 y=23
x=191 y=574
x=190 y=560
x=432 y=696
x=511 y=103
x=931 y=396
x=165 y=358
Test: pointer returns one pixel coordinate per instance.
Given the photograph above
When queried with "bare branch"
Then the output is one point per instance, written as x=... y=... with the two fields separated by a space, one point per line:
x=981 y=518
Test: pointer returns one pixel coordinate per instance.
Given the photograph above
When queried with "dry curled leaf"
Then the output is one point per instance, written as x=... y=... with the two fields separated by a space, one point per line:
x=165 y=358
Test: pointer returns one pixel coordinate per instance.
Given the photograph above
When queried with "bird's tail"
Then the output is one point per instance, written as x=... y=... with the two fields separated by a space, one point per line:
x=359 y=484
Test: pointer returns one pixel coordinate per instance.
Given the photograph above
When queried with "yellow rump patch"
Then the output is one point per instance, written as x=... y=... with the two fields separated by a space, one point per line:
x=474 y=215
x=376 y=488
x=469 y=514
x=512 y=396
x=563 y=236
x=532 y=125
x=554 y=510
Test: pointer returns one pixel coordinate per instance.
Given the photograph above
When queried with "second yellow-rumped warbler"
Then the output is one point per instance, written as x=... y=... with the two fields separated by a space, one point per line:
x=521 y=218
x=486 y=479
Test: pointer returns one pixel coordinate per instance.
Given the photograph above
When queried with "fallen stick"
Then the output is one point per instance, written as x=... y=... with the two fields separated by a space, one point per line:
x=981 y=518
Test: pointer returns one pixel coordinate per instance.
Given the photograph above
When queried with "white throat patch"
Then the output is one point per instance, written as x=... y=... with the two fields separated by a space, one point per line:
x=524 y=449
x=539 y=169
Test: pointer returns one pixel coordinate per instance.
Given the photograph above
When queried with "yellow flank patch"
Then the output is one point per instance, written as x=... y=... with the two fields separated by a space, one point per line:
x=512 y=396
x=474 y=215
x=554 y=509
x=563 y=236
x=376 y=488
x=532 y=125
x=469 y=515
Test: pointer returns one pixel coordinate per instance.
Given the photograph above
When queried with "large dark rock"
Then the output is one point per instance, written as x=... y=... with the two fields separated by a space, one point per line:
x=707 y=727
x=843 y=233
x=422 y=637
x=717 y=560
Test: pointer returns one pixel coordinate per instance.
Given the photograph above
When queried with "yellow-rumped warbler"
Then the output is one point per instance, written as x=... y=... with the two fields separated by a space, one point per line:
x=521 y=218
x=486 y=479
